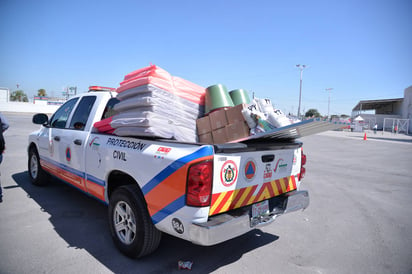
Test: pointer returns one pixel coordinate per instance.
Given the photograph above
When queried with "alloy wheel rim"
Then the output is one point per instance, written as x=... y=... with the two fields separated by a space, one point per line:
x=124 y=222
x=33 y=166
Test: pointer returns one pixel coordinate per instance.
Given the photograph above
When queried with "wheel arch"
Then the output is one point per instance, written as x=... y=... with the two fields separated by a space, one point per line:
x=32 y=145
x=38 y=176
x=118 y=178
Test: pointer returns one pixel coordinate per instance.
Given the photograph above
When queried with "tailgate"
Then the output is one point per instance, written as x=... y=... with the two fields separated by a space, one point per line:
x=253 y=173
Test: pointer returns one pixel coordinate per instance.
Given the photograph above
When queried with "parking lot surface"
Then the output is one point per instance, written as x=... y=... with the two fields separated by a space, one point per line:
x=358 y=221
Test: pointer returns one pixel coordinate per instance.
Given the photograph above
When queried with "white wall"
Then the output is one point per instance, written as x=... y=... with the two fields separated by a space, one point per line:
x=371 y=119
x=27 y=107
x=407 y=106
x=4 y=94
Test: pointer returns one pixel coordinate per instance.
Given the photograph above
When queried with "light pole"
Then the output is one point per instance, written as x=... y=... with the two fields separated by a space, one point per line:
x=328 y=89
x=301 y=67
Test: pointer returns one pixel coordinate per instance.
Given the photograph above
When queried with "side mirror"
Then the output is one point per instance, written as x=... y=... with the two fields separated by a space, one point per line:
x=40 y=119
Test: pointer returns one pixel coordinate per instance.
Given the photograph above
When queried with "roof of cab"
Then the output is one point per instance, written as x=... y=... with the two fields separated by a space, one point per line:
x=100 y=88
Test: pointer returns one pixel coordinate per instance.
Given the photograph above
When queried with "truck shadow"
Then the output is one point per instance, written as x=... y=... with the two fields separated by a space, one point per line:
x=81 y=221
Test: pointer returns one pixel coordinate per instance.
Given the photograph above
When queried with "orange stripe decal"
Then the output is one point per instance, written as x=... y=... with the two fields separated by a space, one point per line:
x=170 y=189
x=63 y=174
x=96 y=190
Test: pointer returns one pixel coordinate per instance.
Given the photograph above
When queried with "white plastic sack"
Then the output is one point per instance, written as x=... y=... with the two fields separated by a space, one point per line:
x=274 y=116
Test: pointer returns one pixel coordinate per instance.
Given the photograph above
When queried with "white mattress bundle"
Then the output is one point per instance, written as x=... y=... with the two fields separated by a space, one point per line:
x=155 y=104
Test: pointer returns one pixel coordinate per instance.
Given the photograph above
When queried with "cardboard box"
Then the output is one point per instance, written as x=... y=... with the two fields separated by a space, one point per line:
x=203 y=125
x=234 y=114
x=219 y=136
x=218 y=119
x=236 y=131
x=206 y=138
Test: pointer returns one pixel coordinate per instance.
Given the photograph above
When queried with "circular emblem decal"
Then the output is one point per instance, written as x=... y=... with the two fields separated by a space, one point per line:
x=178 y=226
x=68 y=154
x=228 y=173
x=250 y=170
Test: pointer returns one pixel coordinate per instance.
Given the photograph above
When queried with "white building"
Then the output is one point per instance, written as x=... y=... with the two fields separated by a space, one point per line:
x=388 y=113
x=4 y=94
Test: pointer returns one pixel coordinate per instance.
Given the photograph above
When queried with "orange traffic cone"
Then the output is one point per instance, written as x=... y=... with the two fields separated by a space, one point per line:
x=364 y=137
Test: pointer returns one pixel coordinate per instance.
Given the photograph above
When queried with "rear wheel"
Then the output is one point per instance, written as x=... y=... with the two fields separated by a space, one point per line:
x=131 y=227
x=37 y=175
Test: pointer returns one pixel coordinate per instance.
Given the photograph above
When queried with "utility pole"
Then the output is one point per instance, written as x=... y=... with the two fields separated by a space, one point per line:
x=328 y=89
x=301 y=67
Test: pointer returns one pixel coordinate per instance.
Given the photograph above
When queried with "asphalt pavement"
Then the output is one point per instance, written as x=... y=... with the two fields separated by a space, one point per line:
x=358 y=221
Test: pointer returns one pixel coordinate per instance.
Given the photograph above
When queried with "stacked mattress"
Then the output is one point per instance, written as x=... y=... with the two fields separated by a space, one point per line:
x=154 y=103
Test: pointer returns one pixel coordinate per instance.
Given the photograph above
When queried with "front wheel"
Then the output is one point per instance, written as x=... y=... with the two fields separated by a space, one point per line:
x=131 y=227
x=37 y=175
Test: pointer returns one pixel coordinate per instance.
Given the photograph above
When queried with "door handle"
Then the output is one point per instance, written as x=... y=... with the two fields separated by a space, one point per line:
x=77 y=142
x=57 y=138
x=268 y=158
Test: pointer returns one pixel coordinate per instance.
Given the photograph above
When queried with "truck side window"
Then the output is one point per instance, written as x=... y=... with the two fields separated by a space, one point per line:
x=108 y=110
x=82 y=112
x=59 y=119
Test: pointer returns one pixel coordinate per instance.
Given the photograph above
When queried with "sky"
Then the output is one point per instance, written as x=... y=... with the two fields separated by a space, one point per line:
x=362 y=49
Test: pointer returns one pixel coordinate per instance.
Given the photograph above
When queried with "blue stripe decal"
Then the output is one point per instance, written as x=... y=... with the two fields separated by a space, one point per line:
x=96 y=180
x=64 y=167
x=75 y=186
x=168 y=210
x=204 y=151
x=90 y=178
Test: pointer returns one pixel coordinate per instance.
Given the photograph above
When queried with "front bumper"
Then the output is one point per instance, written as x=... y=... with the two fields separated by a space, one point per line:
x=226 y=226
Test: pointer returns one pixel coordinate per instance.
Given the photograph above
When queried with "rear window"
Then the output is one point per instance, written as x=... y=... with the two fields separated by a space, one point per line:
x=82 y=112
x=109 y=111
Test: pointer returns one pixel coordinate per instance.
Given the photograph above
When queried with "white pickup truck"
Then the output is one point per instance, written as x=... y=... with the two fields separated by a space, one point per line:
x=202 y=193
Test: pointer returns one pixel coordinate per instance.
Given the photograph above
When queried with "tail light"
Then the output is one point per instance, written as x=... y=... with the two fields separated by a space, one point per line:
x=199 y=184
x=302 y=163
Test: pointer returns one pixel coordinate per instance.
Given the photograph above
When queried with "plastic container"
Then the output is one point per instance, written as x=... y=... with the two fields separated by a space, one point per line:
x=217 y=97
x=239 y=96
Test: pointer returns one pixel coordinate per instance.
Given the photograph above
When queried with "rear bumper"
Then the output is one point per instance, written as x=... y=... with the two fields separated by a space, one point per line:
x=226 y=226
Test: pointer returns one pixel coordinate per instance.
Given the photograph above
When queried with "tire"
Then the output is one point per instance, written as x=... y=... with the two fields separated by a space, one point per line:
x=37 y=175
x=131 y=227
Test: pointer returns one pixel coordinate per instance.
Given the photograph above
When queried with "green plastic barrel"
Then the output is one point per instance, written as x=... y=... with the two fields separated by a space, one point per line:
x=239 y=96
x=217 y=97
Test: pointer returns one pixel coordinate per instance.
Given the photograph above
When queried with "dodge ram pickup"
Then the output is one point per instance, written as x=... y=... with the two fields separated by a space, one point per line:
x=202 y=193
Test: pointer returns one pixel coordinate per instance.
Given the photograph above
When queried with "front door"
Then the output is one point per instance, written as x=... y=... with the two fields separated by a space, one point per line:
x=50 y=138
x=72 y=144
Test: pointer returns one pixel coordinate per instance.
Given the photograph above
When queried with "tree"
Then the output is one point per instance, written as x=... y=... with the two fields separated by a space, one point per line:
x=41 y=92
x=312 y=113
x=19 y=96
